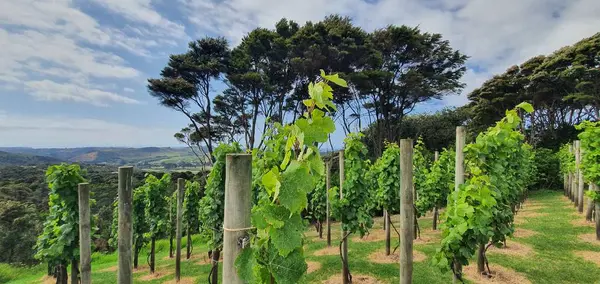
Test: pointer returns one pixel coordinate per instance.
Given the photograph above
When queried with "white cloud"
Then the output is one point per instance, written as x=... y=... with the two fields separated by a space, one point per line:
x=51 y=43
x=129 y=90
x=63 y=131
x=141 y=11
x=51 y=91
x=495 y=34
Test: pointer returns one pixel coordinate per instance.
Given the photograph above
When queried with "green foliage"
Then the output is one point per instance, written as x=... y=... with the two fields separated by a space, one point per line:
x=355 y=205
x=276 y=249
x=212 y=205
x=141 y=224
x=499 y=168
x=548 y=169
x=191 y=205
x=567 y=159
x=386 y=172
x=156 y=205
x=20 y=225
x=317 y=202
x=59 y=241
x=420 y=170
x=590 y=147
x=439 y=181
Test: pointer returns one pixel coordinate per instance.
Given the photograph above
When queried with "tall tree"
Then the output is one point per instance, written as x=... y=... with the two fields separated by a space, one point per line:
x=186 y=86
x=407 y=68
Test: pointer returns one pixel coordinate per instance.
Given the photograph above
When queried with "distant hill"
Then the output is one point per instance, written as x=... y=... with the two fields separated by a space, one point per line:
x=146 y=158
x=18 y=159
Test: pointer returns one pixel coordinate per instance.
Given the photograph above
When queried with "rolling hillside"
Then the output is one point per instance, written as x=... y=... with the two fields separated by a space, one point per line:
x=18 y=159
x=148 y=158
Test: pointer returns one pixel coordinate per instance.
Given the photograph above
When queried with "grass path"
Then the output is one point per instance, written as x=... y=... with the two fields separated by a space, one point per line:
x=546 y=249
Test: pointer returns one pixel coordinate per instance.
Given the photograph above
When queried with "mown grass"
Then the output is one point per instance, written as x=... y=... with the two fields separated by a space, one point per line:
x=553 y=259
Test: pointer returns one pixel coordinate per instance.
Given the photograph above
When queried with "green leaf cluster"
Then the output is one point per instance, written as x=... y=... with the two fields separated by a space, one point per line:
x=590 y=147
x=287 y=170
x=567 y=159
x=191 y=203
x=157 y=207
x=499 y=168
x=386 y=173
x=59 y=241
x=353 y=208
x=420 y=170
x=439 y=180
x=212 y=204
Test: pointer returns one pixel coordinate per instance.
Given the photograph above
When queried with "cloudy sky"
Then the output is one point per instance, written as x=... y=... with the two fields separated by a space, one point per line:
x=73 y=72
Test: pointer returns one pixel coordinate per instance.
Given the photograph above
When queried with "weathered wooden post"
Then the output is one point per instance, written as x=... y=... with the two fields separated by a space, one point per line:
x=388 y=239
x=238 y=203
x=344 y=240
x=327 y=187
x=576 y=175
x=407 y=217
x=459 y=177
x=85 y=242
x=436 y=214
x=570 y=176
x=597 y=217
x=580 y=183
x=179 y=228
x=125 y=236
x=590 y=206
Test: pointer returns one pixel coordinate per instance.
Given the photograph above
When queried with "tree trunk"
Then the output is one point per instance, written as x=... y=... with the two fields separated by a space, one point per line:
x=481 y=259
x=152 y=256
x=436 y=214
x=189 y=244
x=74 y=272
x=215 y=264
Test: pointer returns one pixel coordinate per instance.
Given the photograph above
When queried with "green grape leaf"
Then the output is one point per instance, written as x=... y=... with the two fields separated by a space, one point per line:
x=288 y=269
x=335 y=78
x=289 y=236
x=296 y=183
x=245 y=265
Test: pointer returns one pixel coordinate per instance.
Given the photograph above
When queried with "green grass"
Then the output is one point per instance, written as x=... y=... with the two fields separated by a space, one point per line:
x=552 y=261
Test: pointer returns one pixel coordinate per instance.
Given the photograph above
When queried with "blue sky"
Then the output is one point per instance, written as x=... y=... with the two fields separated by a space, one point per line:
x=73 y=73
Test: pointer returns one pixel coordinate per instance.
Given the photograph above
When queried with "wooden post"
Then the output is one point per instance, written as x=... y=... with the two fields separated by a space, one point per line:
x=576 y=175
x=179 y=228
x=590 y=205
x=125 y=236
x=597 y=217
x=327 y=187
x=570 y=176
x=85 y=242
x=580 y=183
x=407 y=217
x=238 y=203
x=459 y=176
x=436 y=214
x=344 y=241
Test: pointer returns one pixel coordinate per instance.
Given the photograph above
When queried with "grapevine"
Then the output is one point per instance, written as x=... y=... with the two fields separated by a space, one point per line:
x=140 y=223
x=317 y=205
x=191 y=218
x=437 y=183
x=59 y=242
x=480 y=213
x=353 y=208
x=212 y=205
x=387 y=173
x=590 y=146
x=156 y=210
x=276 y=254
x=172 y=223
